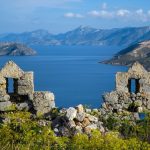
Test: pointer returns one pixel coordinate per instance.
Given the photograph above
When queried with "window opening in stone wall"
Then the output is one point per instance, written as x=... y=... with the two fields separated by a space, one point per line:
x=133 y=85
x=11 y=85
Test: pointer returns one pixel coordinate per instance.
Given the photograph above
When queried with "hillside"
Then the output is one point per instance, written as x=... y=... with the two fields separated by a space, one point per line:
x=137 y=52
x=82 y=36
x=15 y=49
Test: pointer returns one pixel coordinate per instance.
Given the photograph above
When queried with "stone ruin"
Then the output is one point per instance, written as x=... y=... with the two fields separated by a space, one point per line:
x=131 y=97
x=22 y=96
x=132 y=92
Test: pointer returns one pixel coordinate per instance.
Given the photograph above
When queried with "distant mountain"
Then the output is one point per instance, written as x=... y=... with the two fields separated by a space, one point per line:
x=15 y=49
x=137 y=52
x=82 y=36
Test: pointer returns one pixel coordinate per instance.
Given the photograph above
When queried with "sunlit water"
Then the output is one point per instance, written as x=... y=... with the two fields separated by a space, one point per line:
x=72 y=73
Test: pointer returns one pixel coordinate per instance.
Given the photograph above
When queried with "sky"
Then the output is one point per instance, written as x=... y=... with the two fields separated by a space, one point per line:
x=59 y=16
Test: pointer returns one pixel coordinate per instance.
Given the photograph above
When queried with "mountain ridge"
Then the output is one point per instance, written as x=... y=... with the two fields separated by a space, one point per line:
x=137 y=52
x=82 y=35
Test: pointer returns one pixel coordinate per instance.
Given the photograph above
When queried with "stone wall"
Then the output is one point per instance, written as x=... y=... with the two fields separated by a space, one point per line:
x=123 y=99
x=24 y=96
x=43 y=102
x=137 y=71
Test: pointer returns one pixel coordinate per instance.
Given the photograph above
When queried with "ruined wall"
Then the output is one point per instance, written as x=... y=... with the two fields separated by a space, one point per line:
x=137 y=71
x=123 y=99
x=24 y=96
x=25 y=85
x=43 y=102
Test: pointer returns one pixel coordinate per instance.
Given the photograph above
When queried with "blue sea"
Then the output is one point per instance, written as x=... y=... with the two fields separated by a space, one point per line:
x=72 y=73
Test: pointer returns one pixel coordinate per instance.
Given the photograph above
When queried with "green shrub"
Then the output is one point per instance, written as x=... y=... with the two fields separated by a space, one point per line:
x=22 y=132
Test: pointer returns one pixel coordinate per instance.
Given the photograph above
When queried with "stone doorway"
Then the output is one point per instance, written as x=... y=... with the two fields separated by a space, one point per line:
x=133 y=85
x=11 y=88
x=11 y=85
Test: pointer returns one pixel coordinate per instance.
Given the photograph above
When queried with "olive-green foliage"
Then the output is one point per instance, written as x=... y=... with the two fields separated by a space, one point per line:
x=112 y=122
x=110 y=141
x=22 y=132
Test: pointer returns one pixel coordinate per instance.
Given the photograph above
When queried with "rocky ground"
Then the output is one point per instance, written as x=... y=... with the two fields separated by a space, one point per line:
x=71 y=121
x=138 y=52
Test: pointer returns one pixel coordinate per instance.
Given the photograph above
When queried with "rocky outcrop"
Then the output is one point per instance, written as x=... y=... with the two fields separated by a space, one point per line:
x=125 y=101
x=71 y=121
x=138 y=52
x=15 y=49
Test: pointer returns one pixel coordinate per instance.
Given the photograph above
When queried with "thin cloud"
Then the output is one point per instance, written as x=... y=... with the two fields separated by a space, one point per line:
x=101 y=13
x=123 y=12
x=73 y=15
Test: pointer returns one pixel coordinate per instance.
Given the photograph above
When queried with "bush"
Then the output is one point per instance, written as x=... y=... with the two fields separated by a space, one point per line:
x=21 y=132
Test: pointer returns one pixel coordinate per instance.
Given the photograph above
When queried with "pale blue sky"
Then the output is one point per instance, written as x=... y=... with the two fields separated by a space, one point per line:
x=63 y=15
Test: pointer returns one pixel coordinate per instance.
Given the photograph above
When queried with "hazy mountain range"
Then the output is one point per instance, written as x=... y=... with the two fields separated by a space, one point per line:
x=138 y=52
x=82 y=36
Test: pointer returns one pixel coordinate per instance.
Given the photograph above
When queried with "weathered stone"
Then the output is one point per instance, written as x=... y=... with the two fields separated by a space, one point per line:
x=11 y=70
x=148 y=104
x=78 y=129
x=136 y=116
x=95 y=110
x=89 y=128
x=138 y=103
x=88 y=110
x=85 y=122
x=71 y=124
x=24 y=106
x=80 y=116
x=78 y=123
x=56 y=130
x=140 y=109
x=104 y=106
x=71 y=113
x=80 y=108
x=43 y=102
x=100 y=126
x=111 y=98
x=92 y=126
x=92 y=118
x=138 y=94
x=4 y=98
x=64 y=131
x=5 y=106
x=63 y=110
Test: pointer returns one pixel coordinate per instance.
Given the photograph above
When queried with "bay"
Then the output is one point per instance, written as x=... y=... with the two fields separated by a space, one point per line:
x=72 y=73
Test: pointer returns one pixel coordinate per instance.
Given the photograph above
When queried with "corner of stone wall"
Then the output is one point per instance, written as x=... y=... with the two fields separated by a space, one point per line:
x=43 y=102
x=26 y=85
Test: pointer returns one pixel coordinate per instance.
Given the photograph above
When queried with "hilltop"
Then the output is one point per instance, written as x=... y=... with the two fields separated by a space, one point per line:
x=15 y=49
x=137 y=52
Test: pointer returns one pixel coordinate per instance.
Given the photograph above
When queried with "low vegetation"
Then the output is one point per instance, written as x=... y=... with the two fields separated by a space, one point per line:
x=23 y=131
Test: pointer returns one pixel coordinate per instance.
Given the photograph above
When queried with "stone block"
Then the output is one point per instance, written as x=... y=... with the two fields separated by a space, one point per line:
x=43 y=102
x=4 y=98
x=6 y=106
x=71 y=113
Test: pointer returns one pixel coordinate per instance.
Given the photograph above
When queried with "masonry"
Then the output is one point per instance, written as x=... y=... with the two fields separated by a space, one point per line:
x=132 y=92
x=21 y=94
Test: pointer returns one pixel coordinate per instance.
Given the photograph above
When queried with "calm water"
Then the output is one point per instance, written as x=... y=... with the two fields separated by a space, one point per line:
x=72 y=73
